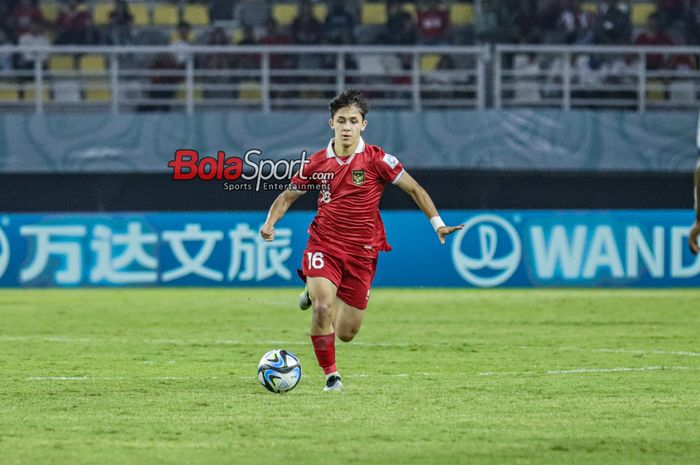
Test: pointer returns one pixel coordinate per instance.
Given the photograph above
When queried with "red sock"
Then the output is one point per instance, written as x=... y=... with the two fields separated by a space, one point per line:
x=324 y=346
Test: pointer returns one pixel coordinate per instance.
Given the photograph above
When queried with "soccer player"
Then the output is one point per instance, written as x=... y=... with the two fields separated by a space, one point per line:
x=695 y=229
x=347 y=233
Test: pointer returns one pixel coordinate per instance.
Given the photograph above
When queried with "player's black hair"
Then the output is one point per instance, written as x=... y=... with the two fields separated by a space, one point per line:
x=348 y=98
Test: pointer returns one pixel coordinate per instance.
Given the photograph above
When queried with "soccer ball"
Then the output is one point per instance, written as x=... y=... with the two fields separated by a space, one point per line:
x=279 y=371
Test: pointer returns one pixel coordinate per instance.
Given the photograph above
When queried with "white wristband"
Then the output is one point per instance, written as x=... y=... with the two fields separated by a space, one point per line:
x=437 y=222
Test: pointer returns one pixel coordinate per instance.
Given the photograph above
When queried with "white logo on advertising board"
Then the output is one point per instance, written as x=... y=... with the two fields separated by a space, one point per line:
x=4 y=253
x=489 y=265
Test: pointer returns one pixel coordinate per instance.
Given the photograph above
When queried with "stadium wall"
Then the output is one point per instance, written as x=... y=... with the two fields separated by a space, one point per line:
x=516 y=140
x=492 y=159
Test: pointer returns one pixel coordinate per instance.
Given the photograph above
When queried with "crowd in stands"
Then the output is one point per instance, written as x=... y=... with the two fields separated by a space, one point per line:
x=419 y=22
x=422 y=22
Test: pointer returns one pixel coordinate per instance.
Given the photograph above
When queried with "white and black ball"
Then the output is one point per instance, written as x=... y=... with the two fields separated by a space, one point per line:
x=279 y=371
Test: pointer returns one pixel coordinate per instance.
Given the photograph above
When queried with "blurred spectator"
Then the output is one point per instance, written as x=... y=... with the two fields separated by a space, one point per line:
x=74 y=24
x=670 y=11
x=548 y=20
x=654 y=35
x=613 y=25
x=6 y=58
x=400 y=28
x=166 y=74
x=447 y=79
x=25 y=13
x=181 y=40
x=120 y=22
x=248 y=60
x=306 y=29
x=433 y=23
x=219 y=83
x=692 y=23
x=525 y=24
x=576 y=25
x=486 y=26
x=275 y=36
x=339 y=27
x=7 y=19
x=221 y=10
x=34 y=37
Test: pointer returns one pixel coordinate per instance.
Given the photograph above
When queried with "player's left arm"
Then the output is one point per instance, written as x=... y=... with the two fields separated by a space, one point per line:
x=425 y=203
x=695 y=229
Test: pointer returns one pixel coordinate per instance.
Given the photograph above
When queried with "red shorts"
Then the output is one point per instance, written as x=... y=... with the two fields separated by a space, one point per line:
x=352 y=274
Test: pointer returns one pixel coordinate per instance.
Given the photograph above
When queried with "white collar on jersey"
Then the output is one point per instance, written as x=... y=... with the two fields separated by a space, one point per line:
x=330 y=153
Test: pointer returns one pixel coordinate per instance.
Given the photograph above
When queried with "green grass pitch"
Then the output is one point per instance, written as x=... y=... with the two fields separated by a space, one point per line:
x=139 y=376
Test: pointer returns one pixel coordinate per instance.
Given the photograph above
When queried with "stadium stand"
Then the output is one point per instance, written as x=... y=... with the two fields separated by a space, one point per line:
x=536 y=78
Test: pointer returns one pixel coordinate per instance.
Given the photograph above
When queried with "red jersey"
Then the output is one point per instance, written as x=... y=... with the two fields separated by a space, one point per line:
x=348 y=199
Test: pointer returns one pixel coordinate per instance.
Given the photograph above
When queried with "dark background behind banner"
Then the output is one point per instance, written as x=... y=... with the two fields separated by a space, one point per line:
x=451 y=189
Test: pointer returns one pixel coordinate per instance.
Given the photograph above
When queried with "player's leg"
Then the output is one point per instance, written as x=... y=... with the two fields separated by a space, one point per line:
x=352 y=297
x=347 y=320
x=322 y=292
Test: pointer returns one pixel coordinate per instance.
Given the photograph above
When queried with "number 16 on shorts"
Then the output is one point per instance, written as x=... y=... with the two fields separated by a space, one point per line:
x=315 y=260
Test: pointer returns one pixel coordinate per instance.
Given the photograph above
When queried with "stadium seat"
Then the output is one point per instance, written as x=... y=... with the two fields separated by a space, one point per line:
x=93 y=64
x=253 y=13
x=590 y=7
x=100 y=13
x=641 y=12
x=237 y=35
x=682 y=91
x=525 y=72
x=49 y=10
x=196 y=14
x=429 y=62
x=165 y=15
x=320 y=11
x=461 y=14
x=141 y=14
x=9 y=92
x=198 y=93
x=97 y=91
x=30 y=92
x=373 y=13
x=656 y=90
x=410 y=8
x=66 y=91
x=61 y=63
x=284 y=13
x=249 y=90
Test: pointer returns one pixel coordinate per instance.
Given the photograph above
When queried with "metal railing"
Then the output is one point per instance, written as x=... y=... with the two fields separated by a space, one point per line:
x=269 y=78
x=623 y=77
x=263 y=77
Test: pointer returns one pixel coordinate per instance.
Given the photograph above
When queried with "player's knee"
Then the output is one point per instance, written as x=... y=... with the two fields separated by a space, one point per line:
x=347 y=335
x=322 y=310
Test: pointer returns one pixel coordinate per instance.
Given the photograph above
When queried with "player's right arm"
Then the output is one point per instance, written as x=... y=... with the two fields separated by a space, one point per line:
x=695 y=229
x=277 y=210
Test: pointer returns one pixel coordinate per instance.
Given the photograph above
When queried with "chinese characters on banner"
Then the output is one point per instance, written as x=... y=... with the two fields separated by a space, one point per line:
x=134 y=254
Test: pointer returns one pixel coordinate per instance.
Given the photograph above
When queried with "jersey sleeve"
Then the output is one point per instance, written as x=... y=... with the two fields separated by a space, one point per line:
x=389 y=167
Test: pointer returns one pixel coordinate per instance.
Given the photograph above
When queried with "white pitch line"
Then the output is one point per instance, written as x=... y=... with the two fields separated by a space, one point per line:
x=367 y=375
x=188 y=378
x=621 y=351
x=265 y=343
x=116 y=378
x=654 y=352
x=81 y=340
x=587 y=370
